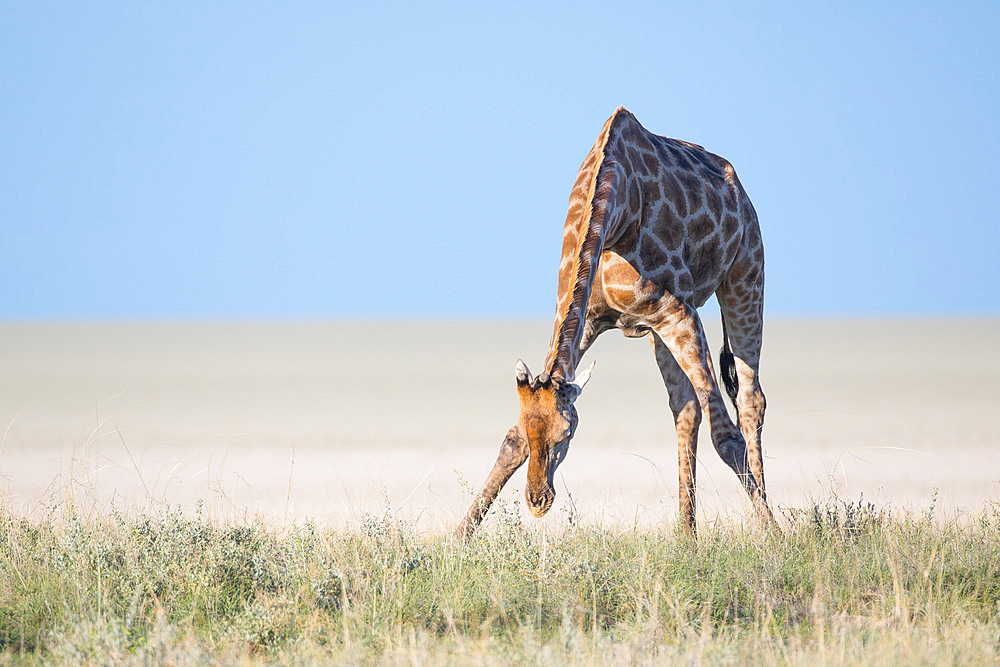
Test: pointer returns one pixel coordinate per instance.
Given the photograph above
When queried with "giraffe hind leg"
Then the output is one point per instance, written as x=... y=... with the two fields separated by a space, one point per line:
x=682 y=333
x=742 y=324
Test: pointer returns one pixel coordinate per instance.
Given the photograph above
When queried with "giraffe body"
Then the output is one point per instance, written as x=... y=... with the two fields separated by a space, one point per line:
x=655 y=226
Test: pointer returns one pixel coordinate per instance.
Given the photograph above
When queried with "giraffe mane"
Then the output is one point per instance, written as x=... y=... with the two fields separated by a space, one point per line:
x=569 y=320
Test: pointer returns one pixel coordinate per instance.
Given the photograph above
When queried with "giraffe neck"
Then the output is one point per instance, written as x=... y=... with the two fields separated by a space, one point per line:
x=588 y=222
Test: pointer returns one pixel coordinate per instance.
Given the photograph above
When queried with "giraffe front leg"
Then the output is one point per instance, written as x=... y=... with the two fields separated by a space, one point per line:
x=687 y=419
x=513 y=454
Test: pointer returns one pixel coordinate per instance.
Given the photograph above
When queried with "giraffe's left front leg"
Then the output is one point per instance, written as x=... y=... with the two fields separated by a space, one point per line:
x=513 y=454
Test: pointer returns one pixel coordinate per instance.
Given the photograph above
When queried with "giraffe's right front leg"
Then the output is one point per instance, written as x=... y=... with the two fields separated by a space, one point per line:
x=513 y=454
x=687 y=419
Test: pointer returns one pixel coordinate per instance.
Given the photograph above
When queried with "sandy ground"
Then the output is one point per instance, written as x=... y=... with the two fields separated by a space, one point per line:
x=333 y=420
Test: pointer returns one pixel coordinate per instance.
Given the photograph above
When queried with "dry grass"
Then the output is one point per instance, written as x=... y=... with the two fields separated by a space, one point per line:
x=846 y=583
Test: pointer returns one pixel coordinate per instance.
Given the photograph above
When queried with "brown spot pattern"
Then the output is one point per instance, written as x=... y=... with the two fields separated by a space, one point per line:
x=700 y=228
x=634 y=199
x=650 y=193
x=673 y=193
x=707 y=259
x=650 y=163
x=652 y=255
x=730 y=226
x=669 y=229
x=714 y=203
x=729 y=197
x=664 y=153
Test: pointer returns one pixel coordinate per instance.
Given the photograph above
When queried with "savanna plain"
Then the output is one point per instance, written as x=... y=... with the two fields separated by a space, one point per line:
x=285 y=493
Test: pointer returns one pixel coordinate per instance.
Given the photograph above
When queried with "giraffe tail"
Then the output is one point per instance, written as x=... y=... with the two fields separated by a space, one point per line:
x=727 y=365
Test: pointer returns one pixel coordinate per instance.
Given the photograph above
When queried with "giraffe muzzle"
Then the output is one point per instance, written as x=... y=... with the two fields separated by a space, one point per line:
x=540 y=502
x=539 y=493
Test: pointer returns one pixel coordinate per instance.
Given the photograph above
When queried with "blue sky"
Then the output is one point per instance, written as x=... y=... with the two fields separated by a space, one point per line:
x=323 y=160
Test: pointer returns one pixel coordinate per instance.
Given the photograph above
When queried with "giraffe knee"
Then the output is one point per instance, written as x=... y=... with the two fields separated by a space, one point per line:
x=752 y=404
x=704 y=394
x=732 y=449
x=687 y=416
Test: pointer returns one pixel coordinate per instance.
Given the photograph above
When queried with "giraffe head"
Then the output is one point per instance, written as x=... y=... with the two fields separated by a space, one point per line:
x=548 y=420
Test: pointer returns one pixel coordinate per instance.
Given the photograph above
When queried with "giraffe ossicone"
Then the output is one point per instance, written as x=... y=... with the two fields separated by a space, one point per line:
x=521 y=371
x=583 y=377
x=655 y=226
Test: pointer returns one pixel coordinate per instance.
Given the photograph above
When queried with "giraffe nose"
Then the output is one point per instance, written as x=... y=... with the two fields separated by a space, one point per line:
x=539 y=502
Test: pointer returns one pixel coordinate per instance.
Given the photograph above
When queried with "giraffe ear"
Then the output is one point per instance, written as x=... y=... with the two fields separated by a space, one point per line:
x=522 y=373
x=584 y=376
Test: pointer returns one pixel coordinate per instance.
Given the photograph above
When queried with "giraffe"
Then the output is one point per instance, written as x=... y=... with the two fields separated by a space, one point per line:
x=655 y=226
